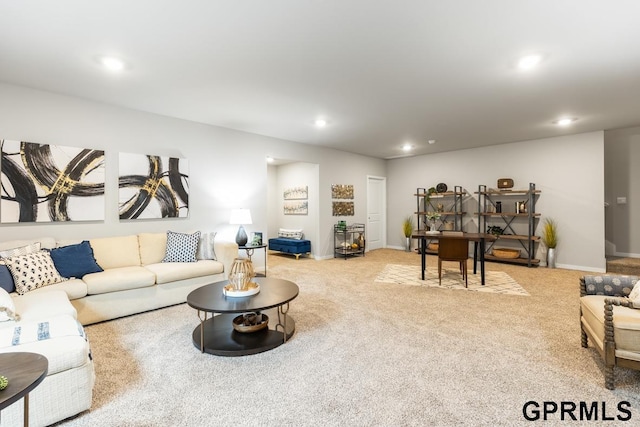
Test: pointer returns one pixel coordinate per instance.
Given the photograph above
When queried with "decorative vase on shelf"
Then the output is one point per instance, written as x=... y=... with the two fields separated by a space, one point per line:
x=551 y=258
x=241 y=274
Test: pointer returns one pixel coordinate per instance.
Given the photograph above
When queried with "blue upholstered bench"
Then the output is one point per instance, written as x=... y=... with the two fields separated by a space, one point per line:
x=290 y=246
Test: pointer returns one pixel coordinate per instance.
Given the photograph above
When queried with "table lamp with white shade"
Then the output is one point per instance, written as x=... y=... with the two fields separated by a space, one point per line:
x=241 y=217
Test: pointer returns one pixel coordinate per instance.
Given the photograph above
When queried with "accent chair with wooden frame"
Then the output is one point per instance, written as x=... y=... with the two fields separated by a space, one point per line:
x=611 y=321
x=453 y=250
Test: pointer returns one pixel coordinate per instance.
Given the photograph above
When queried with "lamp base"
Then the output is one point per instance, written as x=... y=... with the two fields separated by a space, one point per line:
x=241 y=237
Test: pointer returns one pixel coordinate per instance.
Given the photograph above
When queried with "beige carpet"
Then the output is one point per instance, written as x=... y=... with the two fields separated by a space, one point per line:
x=364 y=354
x=497 y=282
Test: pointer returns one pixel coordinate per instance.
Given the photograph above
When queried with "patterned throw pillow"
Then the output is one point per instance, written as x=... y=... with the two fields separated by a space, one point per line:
x=181 y=247
x=33 y=271
x=291 y=233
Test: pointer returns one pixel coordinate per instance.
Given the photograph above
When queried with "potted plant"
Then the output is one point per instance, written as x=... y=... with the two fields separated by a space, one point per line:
x=407 y=230
x=432 y=217
x=550 y=240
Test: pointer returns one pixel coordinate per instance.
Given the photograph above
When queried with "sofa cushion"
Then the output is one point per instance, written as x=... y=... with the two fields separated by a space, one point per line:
x=64 y=351
x=6 y=279
x=7 y=308
x=75 y=260
x=74 y=288
x=43 y=305
x=181 y=247
x=118 y=279
x=153 y=247
x=116 y=252
x=33 y=271
x=174 y=271
x=626 y=322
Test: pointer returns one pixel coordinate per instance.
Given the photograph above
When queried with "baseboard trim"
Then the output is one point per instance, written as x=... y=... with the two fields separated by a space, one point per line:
x=626 y=255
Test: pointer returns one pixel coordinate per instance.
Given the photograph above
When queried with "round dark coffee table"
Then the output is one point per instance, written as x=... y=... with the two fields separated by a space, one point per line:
x=216 y=335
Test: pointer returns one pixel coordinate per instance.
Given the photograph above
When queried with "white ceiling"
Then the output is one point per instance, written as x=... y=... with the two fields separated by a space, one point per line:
x=381 y=72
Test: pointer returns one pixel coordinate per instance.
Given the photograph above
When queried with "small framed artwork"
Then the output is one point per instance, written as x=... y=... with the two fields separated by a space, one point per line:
x=257 y=238
x=296 y=193
x=293 y=207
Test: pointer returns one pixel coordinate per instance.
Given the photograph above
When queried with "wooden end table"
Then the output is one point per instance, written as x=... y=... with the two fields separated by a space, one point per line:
x=24 y=372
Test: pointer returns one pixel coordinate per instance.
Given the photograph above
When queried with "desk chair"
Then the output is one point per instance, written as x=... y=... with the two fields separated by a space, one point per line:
x=453 y=250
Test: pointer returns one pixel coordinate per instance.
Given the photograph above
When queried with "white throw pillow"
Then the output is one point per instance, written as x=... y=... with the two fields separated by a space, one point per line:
x=291 y=233
x=33 y=271
x=7 y=308
x=205 y=246
x=23 y=250
x=634 y=295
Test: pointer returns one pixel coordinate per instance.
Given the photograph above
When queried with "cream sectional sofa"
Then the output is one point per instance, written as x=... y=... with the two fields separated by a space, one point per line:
x=68 y=387
x=134 y=280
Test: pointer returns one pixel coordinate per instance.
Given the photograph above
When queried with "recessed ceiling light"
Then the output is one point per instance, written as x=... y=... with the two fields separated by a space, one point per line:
x=432 y=141
x=566 y=121
x=407 y=147
x=528 y=62
x=269 y=159
x=111 y=63
x=320 y=123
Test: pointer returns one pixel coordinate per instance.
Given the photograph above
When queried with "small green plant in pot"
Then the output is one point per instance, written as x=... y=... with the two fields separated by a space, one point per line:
x=407 y=230
x=550 y=240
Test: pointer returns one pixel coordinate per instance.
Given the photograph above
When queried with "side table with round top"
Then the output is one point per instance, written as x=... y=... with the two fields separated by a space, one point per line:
x=216 y=335
x=24 y=372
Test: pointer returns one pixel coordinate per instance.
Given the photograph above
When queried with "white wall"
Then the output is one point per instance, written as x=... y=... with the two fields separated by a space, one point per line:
x=622 y=179
x=569 y=170
x=227 y=167
x=296 y=174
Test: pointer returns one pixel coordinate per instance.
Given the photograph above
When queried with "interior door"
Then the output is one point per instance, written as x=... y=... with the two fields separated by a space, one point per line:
x=376 y=212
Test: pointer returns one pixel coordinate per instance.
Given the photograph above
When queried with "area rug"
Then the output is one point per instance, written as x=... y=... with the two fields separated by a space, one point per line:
x=497 y=282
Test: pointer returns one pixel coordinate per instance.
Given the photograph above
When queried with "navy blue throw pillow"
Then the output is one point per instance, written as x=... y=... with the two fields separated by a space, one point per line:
x=75 y=260
x=6 y=279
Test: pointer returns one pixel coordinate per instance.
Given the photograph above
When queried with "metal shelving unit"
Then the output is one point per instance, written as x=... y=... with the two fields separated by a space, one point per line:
x=451 y=209
x=492 y=212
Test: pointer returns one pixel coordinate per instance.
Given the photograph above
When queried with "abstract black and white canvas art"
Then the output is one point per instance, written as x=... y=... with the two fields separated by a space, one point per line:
x=152 y=187
x=50 y=183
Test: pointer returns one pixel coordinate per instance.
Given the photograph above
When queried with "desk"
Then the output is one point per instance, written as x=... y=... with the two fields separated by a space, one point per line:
x=249 y=250
x=478 y=239
x=24 y=372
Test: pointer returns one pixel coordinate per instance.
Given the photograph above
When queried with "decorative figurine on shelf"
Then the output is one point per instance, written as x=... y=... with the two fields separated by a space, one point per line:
x=440 y=207
x=361 y=241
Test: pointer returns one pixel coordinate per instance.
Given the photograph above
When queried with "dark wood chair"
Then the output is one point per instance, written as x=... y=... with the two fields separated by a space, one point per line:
x=453 y=250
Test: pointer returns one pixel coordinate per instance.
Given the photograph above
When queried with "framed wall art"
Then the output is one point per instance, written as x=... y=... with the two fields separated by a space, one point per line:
x=50 y=183
x=296 y=193
x=339 y=191
x=152 y=187
x=296 y=207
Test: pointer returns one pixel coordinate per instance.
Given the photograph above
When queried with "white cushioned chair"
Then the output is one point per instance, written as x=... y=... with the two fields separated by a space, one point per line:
x=611 y=321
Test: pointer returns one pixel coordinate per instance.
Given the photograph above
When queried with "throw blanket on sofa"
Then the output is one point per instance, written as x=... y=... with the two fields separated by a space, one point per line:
x=27 y=332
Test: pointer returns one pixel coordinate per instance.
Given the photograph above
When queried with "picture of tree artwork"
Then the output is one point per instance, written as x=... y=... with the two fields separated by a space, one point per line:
x=47 y=183
x=152 y=187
